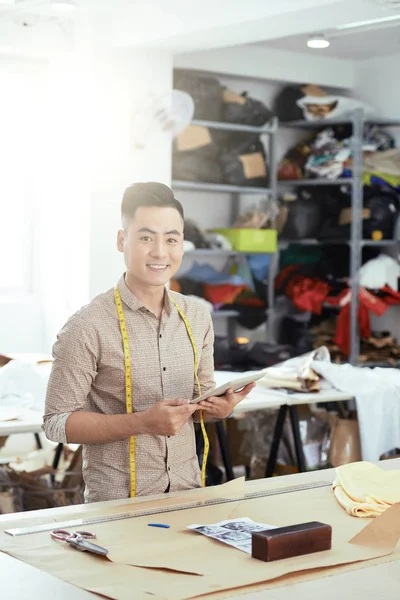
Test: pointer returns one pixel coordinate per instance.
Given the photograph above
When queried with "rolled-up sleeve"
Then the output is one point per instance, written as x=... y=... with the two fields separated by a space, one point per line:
x=73 y=372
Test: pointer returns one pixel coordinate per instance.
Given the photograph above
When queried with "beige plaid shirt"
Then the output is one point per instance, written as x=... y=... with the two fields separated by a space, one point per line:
x=88 y=375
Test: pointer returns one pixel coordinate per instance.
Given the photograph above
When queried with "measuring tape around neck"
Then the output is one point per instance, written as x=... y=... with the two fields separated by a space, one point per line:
x=128 y=388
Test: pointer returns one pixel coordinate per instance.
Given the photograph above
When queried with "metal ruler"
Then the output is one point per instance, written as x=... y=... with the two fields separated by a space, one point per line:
x=172 y=508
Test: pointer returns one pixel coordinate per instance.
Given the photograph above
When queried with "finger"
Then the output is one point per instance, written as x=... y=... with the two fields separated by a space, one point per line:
x=210 y=409
x=244 y=392
x=216 y=400
x=192 y=408
x=210 y=402
x=175 y=402
x=210 y=406
x=186 y=409
x=247 y=389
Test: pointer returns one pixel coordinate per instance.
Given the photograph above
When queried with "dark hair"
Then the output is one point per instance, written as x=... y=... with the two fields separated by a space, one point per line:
x=148 y=194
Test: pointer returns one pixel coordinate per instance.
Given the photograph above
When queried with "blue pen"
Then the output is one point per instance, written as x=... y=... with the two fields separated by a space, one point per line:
x=163 y=525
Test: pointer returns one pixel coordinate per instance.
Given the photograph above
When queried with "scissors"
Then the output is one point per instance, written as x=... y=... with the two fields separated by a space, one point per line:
x=79 y=540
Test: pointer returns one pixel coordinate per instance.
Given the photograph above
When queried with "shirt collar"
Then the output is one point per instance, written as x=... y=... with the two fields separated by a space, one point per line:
x=133 y=302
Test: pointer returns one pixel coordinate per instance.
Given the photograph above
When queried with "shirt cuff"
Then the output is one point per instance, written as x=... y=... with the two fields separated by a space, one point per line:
x=54 y=427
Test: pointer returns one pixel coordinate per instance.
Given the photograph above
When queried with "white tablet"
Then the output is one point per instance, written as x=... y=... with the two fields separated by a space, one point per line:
x=234 y=384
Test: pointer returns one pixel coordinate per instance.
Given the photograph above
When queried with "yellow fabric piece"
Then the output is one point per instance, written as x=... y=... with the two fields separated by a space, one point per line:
x=393 y=180
x=365 y=490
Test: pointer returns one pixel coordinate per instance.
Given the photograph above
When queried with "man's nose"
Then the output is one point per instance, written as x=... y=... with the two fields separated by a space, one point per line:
x=159 y=248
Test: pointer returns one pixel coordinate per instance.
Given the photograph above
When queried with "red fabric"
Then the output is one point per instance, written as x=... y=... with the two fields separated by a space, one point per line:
x=280 y=278
x=342 y=332
x=223 y=293
x=367 y=302
x=376 y=305
x=251 y=301
x=308 y=293
x=392 y=296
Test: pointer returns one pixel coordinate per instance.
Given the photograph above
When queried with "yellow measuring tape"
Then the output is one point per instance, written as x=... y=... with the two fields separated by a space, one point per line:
x=128 y=388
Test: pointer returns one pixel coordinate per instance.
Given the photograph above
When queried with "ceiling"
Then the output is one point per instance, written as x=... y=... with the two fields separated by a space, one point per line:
x=359 y=45
x=181 y=26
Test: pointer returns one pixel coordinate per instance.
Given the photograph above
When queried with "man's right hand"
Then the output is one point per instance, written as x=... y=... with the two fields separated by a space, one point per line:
x=167 y=417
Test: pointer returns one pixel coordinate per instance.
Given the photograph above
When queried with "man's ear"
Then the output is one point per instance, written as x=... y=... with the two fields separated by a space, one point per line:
x=121 y=240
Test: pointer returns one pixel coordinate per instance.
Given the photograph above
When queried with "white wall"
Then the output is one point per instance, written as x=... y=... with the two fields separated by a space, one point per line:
x=378 y=84
x=20 y=314
x=128 y=81
x=260 y=62
x=84 y=158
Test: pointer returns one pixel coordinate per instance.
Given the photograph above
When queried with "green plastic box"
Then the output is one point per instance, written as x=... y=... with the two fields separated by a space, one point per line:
x=251 y=240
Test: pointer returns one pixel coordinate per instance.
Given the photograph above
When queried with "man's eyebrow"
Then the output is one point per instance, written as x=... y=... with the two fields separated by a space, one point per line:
x=148 y=230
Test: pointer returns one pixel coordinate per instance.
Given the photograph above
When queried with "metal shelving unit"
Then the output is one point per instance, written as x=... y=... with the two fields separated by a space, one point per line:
x=218 y=188
x=308 y=182
x=218 y=252
x=357 y=119
x=235 y=192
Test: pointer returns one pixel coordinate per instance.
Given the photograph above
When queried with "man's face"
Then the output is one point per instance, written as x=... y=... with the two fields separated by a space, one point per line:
x=152 y=244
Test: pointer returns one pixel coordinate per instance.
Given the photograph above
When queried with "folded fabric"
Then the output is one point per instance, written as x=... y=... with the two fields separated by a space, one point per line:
x=301 y=379
x=365 y=490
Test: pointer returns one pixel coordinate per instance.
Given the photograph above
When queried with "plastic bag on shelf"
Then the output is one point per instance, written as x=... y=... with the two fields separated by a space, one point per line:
x=242 y=109
x=205 y=90
x=304 y=215
x=243 y=160
x=195 y=156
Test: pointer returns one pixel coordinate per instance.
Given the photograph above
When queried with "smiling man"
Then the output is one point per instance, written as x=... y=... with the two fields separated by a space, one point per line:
x=86 y=400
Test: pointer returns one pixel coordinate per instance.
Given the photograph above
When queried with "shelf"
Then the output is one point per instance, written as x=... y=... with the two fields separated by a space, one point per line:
x=225 y=314
x=379 y=243
x=341 y=181
x=303 y=124
x=266 y=129
x=216 y=252
x=313 y=242
x=197 y=186
x=346 y=119
x=383 y=122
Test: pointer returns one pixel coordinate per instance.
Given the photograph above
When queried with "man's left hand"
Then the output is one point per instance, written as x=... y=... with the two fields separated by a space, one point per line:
x=220 y=407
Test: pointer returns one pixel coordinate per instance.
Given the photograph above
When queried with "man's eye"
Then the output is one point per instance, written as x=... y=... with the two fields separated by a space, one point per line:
x=145 y=238
x=172 y=241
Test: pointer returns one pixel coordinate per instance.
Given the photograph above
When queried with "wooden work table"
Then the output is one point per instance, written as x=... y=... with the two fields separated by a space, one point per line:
x=20 y=580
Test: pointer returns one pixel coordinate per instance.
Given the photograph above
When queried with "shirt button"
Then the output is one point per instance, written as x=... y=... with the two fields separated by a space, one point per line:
x=160 y=335
x=164 y=368
x=169 y=468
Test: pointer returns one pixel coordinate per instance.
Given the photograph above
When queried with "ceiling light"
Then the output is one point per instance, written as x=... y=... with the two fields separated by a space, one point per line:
x=64 y=6
x=318 y=41
x=357 y=24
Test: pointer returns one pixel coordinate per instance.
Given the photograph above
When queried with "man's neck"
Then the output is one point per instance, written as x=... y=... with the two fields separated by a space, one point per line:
x=151 y=296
